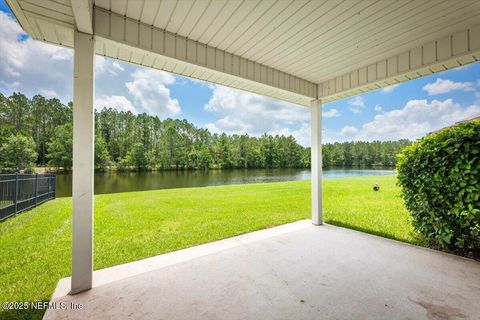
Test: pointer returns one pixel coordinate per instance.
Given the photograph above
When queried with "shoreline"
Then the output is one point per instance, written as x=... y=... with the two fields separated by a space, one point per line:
x=44 y=170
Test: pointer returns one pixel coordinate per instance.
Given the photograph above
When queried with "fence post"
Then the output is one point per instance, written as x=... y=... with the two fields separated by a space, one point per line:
x=54 y=179
x=15 y=199
x=36 y=189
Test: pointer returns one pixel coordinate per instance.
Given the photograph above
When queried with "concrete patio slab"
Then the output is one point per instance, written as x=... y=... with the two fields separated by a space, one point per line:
x=295 y=271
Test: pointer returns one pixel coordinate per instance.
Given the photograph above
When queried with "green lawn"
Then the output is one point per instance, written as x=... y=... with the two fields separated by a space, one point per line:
x=36 y=245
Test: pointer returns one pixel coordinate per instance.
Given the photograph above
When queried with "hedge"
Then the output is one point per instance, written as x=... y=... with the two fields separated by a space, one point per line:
x=440 y=180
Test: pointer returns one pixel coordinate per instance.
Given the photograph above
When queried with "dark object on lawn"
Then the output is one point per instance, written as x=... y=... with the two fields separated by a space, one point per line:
x=376 y=187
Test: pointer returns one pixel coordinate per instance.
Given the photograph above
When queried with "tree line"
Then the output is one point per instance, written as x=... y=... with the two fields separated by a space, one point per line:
x=38 y=132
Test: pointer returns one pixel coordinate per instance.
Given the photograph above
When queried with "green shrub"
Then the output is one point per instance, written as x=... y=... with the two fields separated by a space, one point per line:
x=18 y=153
x=440 y=179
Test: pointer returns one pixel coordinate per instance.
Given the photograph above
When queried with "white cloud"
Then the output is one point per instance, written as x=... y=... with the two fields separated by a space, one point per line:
x=332 y=113
x=100 y=65
x=25 y=61
x=120 y=103
x=444 y=86
x=104 y=65
x=464 y=67
x=357 y=101
x=151 y=94
x=356 y=104
x=390 y=88
x=378 y=108
x=117 y=66
x=349 y=131
x=21 y=49
x=415 y=119
x=242 y=112
x=302 y=135
x=9 y=86
x=49 y=93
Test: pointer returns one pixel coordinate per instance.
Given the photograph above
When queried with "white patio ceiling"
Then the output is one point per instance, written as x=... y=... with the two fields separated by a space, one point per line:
x=294 y=50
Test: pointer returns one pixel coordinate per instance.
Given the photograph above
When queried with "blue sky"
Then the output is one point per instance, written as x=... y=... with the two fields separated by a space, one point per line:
x=409 y=110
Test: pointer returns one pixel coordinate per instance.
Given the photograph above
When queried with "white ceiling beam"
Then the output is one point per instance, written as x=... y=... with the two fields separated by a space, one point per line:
x=135 y=34
x=21 y=17
x=442 y=54
x=83 y=13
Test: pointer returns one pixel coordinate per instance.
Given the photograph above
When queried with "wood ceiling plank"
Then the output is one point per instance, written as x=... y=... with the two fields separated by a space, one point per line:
x=265 y=22
x=119 y=6
x=164 y=13
x=193 y=16
x=228 y=18
x=179 y=15
x=149 y=12
x=293 y=27
x=246 y=16
x=134 y=9
x=408 y=39
x=386 y=27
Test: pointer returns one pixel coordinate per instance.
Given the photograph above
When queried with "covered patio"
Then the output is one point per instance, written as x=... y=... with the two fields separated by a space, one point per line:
x=304 y=52
x=294 y=271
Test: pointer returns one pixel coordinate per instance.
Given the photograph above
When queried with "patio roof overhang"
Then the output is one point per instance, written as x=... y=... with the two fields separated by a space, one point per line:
x=293 y=50
x=305 y=52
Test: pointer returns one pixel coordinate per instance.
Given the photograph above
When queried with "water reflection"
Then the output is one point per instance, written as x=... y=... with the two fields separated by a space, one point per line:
x=112 y=182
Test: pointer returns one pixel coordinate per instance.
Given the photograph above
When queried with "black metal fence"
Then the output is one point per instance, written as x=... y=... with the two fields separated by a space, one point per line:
x=19 y=192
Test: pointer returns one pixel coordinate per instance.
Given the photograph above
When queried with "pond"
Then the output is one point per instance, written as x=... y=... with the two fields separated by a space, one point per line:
x=112 y=182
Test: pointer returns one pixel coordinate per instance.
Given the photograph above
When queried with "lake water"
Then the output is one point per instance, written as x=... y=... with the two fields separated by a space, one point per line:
x=112 y=182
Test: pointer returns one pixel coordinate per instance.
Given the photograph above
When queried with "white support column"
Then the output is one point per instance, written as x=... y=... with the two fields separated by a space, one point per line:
x=83 y=153
x=316 y=161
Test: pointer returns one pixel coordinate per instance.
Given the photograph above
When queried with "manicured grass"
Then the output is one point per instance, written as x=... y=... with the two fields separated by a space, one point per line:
x=36 y=245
